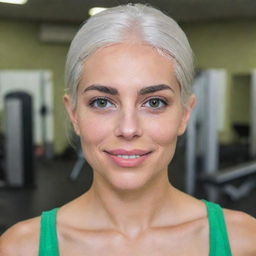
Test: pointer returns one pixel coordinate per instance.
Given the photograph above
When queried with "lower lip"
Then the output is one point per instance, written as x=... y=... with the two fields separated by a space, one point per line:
x=132 y=162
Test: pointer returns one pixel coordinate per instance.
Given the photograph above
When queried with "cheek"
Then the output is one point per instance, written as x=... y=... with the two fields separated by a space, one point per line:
x=162 y=134
x=92 y=128
x=164 y=130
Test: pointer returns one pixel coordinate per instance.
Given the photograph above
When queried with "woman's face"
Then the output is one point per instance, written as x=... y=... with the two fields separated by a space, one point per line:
x=128 y=99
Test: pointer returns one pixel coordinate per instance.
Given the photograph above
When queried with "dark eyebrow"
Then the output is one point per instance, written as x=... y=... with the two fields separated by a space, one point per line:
x=102 y=88
x=113 y=91
x=155 y=88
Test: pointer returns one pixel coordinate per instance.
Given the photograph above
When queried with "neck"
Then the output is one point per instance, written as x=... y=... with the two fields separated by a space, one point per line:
x=132 y=212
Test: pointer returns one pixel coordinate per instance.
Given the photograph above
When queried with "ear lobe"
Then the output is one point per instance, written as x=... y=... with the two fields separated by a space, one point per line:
x=187 y=113
x=71 y=113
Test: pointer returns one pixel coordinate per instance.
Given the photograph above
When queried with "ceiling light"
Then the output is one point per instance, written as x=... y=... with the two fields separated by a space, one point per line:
x=13 y=1
x=96 y=10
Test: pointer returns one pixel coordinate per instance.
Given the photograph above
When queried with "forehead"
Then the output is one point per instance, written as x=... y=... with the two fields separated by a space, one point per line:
x=128 y=64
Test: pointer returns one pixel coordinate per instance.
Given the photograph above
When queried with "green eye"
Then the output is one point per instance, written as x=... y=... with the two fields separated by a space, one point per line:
x=103 y=103
x=100 y=103
x=156 y=103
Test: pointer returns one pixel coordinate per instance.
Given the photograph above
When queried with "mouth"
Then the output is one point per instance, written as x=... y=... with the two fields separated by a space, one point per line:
x=135 y=153
x=128 y=156
x=128 y=159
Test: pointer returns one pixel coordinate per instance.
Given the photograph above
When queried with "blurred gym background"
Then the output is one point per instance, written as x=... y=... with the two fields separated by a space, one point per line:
x=215 y=159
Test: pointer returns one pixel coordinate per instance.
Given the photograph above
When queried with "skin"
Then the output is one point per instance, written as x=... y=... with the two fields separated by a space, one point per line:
x=131 y=210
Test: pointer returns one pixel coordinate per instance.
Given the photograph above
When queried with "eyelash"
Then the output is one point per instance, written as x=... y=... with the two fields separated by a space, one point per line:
x=165 y=102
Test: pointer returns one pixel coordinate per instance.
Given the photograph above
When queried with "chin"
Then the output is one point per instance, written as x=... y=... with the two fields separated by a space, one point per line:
x=128 y=182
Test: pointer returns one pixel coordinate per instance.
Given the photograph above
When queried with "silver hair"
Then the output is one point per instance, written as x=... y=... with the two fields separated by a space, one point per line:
x=122 y=24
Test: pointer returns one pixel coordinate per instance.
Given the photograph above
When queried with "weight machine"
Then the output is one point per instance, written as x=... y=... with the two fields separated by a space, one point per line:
x=19 y=156
x=202 y=140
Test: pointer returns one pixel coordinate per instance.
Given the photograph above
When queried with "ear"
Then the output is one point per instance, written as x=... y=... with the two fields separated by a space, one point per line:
x=187 y=113
x=71 y=113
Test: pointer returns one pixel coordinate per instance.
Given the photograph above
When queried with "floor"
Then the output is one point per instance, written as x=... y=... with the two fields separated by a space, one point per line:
x=54 y=188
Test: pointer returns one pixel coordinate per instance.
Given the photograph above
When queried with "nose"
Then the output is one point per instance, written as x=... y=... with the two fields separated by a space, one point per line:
x=128 y=125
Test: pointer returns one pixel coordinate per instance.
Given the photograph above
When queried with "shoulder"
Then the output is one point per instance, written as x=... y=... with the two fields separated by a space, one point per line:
x=21 y=239
x=242 y=232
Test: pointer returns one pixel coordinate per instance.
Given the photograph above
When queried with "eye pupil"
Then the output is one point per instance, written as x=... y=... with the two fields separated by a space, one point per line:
x=154 y=102
x=102 y=102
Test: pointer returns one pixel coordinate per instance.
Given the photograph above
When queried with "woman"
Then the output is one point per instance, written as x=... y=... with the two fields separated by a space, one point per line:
x=129 y=72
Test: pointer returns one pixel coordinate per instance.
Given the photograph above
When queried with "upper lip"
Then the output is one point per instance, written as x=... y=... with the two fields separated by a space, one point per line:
x=128 y=152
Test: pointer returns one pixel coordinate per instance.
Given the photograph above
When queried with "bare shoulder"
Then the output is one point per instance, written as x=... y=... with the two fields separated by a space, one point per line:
x=242 y=232
x=21 y=239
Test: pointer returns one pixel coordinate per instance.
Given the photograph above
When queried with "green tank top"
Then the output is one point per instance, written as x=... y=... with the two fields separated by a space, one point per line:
x=218 y=236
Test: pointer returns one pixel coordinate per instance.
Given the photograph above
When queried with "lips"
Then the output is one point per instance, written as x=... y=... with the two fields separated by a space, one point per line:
x=121 y=157
x=128 y=152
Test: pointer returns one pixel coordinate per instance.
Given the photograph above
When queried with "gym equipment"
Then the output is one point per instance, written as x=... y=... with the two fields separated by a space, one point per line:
x=202 y=140
x=19 y=160
x=78 y=165
x=221 y=180
x=202 y=133
x=80 y=157
x=37 y=83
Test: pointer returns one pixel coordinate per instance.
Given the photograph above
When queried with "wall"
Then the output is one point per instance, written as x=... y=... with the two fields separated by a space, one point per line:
x=20 y=48
x=230 y=45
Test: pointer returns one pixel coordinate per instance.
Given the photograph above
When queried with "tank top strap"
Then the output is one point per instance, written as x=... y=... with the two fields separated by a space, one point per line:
x=48 y=245
x=219 y=242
